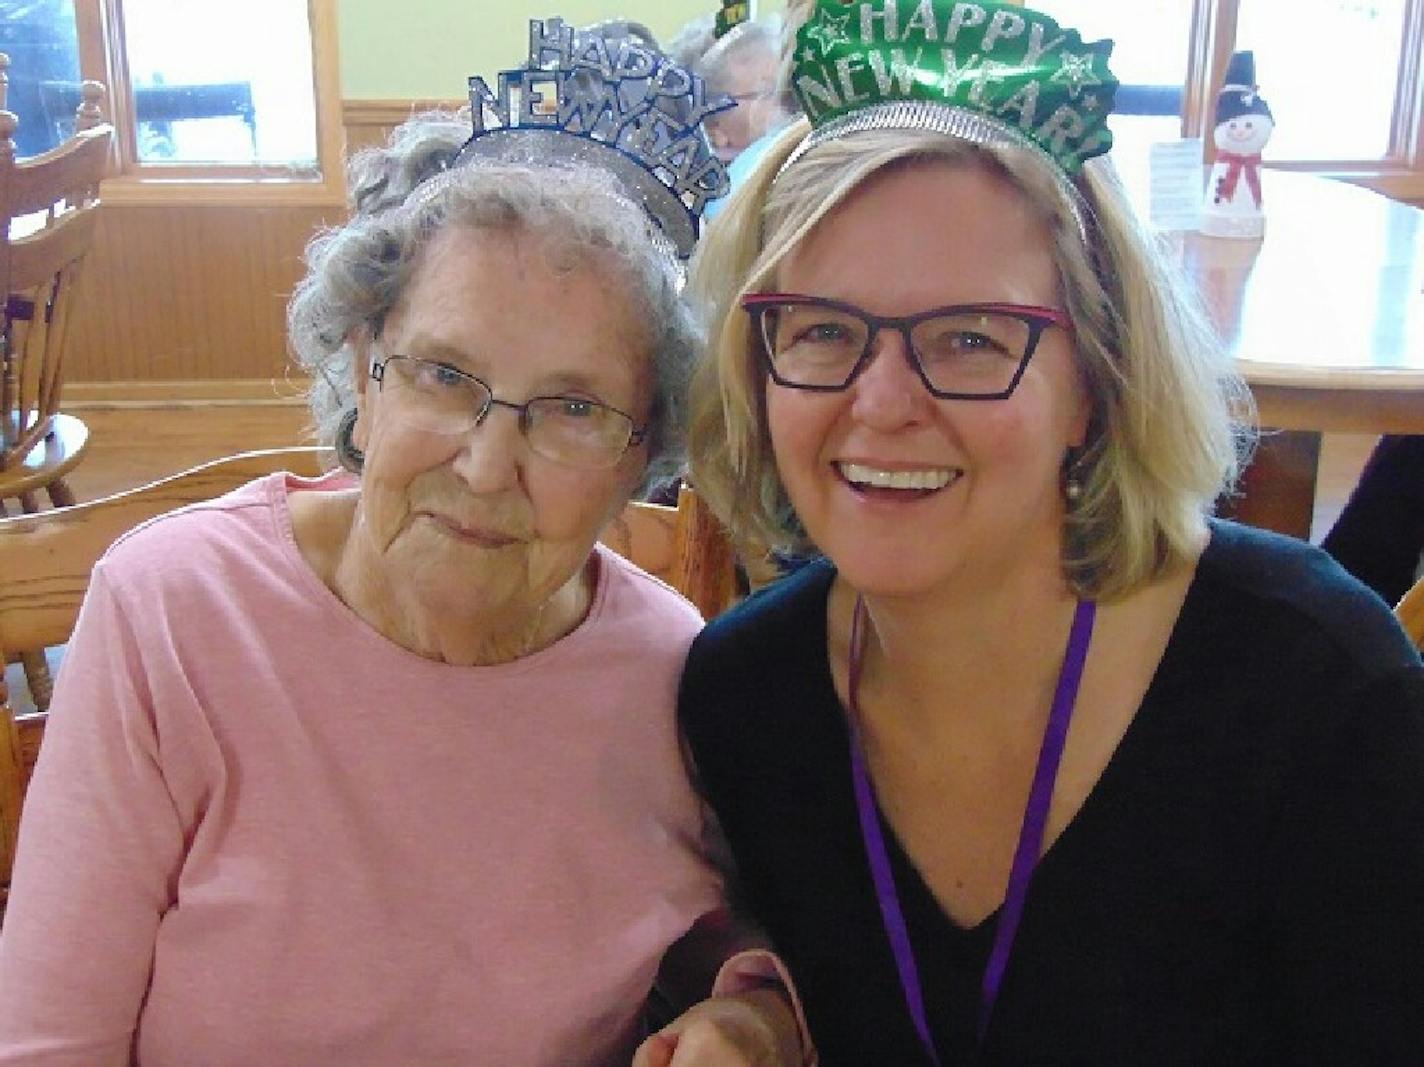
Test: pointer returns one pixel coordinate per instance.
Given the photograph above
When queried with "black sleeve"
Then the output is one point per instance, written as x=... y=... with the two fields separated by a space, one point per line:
x=1347 y=932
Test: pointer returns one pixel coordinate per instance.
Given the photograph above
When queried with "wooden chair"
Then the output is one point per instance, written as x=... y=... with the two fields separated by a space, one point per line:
x=46 y=559
x=48 y=210
x=45 y=562
x=685 y=546
x=1410 y=612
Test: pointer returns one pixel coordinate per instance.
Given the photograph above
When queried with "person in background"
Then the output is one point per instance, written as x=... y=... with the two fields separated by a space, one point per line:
x=773 y=116
x=1379 y=534
x=740 y=58
x=382 y=767
x=744 y=64
x=1039 y=763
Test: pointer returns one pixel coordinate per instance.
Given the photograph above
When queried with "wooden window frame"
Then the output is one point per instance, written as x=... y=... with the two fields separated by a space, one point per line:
x=102 y=56
x=1400 y=174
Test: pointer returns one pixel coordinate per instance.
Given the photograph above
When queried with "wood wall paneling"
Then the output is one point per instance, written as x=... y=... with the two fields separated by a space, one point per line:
x=370 y=122
x=197 y=290
x=190 y=291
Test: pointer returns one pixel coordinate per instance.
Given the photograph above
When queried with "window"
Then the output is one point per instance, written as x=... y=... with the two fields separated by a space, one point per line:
x=41 y=40
x=1343 y=77
x=1149 y=100
x=222 y=82
x=227 y=100
x=1335 y=64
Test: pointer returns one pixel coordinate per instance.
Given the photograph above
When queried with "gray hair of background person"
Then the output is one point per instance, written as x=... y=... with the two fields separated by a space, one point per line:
x=692 y=41
x=718 y=62
x=404 y=194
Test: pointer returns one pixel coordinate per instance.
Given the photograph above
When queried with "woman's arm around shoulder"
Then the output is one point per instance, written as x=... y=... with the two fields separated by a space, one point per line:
x=753 y=1017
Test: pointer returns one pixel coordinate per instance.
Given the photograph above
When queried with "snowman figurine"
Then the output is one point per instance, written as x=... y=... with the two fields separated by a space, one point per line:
x=1243 y=126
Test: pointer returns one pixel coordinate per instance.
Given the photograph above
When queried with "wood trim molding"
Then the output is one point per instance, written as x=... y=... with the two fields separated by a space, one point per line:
x=216 y=392
x=130 y=190
x=330 y=131
x=389 y=112
x=1201 y=50
x=368 y=123
x=1408 y=134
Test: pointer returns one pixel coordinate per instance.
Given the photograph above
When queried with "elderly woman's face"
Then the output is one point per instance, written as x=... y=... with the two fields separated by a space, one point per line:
x=901 y=489
x=477 y=519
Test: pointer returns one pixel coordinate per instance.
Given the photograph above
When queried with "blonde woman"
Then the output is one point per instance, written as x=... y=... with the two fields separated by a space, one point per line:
x=382 y=768
x=1037 y=762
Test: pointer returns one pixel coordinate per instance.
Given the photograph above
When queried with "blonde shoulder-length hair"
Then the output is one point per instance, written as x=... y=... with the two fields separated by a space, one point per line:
x=1163 y=440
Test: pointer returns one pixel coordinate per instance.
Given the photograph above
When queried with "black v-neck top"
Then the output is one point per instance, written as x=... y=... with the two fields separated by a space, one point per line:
x=1245 y=883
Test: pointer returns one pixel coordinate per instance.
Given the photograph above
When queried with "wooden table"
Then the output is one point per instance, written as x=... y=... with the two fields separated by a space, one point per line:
x=1325 y=317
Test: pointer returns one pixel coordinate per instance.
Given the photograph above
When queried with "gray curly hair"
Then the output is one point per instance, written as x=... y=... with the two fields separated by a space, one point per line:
x=406 y=192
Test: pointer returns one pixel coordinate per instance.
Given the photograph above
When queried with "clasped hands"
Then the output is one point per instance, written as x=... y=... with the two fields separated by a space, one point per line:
x=753 y=1029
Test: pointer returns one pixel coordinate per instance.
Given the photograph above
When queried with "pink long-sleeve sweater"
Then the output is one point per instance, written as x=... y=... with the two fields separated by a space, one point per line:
x=261 y=833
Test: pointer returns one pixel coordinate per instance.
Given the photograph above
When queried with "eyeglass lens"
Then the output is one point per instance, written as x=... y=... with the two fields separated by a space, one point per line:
x=971 y=353
x=569 y=430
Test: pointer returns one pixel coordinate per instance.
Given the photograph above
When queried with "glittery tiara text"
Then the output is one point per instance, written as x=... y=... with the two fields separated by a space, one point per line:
x=627 y=97
x=1019 y=68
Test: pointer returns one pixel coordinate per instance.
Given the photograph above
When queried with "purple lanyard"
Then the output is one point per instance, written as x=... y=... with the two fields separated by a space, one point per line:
x=1026 y=855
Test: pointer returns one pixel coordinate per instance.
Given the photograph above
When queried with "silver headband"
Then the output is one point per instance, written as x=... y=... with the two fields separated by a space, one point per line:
x=946 y=119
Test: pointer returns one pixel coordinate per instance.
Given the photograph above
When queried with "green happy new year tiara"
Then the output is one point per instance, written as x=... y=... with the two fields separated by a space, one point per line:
x=988 y=72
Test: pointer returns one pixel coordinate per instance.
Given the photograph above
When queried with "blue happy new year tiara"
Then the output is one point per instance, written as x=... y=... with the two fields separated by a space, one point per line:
x=624 y=108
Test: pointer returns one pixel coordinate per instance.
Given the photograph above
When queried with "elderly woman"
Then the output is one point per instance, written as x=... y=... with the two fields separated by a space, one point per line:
x=1038 y=763
x=383 y=769
x=743 y=65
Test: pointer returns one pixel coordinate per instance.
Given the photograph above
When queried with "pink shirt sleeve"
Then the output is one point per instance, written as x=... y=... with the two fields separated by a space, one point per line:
x=78 y=949
x=755 y=969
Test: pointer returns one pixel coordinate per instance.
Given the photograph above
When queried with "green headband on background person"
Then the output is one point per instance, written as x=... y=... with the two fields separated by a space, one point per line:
x=989 y=72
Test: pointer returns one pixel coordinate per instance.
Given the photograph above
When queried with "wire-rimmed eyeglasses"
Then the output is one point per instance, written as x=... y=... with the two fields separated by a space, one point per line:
x=960 y=352
x=572 y=430
x=751 y=96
